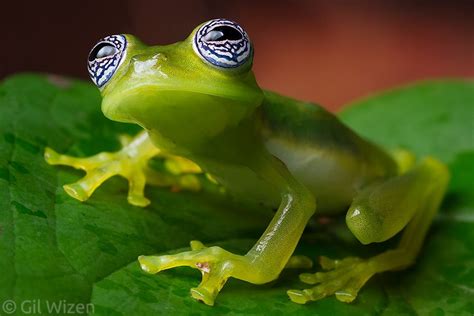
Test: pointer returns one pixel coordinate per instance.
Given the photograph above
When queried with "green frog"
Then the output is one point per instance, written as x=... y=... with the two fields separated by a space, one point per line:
x=202 y=111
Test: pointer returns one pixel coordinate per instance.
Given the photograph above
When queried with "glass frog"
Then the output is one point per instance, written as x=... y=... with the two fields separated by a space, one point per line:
x=202 y=111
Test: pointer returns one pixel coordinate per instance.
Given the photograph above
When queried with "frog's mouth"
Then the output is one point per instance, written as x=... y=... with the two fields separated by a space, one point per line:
x=135 y=103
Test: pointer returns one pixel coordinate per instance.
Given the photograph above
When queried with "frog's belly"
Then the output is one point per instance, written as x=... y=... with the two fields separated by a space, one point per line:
x=331 y=176
x=243 y=183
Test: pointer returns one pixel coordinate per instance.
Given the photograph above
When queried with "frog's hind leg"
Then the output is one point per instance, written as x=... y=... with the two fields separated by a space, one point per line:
x=131 y=162
x=377 y=214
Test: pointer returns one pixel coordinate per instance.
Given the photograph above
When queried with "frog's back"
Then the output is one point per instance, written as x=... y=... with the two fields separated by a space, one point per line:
x=321 y=152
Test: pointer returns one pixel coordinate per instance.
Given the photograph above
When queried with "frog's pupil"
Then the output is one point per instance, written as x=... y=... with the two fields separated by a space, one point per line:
x=102 y=50
x=228 y=33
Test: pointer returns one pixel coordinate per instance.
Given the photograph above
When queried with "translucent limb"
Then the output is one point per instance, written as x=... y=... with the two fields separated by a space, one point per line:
x=416 y=194
x=131 y=162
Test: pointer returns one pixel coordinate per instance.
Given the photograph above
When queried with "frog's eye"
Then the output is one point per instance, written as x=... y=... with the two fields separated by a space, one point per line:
x=105 y=57
x=222 y=43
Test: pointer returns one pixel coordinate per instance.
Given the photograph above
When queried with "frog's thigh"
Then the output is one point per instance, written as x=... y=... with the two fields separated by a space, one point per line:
x=384 y=209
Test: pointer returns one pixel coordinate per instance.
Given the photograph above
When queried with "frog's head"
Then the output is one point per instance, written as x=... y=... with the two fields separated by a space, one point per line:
x=191 y=89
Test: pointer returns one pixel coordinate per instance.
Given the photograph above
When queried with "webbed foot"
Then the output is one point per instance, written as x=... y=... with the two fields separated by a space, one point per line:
x=101 y=167
x=343 y=279
x=131 y=162
x=216 y=266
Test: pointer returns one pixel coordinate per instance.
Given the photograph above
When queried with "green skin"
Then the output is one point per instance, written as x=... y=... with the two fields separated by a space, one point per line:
x=221 y=121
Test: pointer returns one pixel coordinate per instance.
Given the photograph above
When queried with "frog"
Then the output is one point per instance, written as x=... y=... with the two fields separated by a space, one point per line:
x=203 y=113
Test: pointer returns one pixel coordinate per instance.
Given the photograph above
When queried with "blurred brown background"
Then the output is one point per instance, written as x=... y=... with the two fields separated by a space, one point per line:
x=325 y=51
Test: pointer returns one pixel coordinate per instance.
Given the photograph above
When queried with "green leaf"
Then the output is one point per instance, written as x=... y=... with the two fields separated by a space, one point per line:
x=54 y=248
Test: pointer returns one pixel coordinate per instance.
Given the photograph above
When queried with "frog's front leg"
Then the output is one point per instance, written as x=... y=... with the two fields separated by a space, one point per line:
x=378 y=213
x=131 y=162
x=264 y=262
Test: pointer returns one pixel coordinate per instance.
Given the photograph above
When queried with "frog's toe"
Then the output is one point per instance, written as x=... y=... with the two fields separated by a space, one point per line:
x=304 y=296
x=200 y=257
x=214 y=277
x=203 y=295
x=83 y=189
x=196 y=245
x=76 y=191
x=148 y=264
x=136 y=188
x=140 y=201
x=155 y=264
x=343 y=279
x=54 y=158
x=51 y=156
